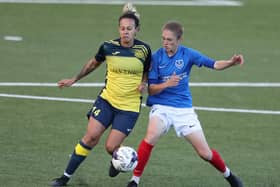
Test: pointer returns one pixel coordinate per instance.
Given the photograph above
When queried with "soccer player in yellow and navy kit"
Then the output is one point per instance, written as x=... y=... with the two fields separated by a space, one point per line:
x=118 y=104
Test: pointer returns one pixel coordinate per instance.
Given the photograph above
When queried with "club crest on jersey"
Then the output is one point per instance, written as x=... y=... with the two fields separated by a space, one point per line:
x=139 y=54
x=179 y=63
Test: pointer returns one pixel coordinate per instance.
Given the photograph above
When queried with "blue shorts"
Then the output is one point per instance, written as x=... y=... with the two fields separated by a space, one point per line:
x=107 y=115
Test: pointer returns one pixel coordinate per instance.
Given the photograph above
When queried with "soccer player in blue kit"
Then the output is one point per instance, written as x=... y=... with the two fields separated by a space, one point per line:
x=171 y=101
x=119 y=102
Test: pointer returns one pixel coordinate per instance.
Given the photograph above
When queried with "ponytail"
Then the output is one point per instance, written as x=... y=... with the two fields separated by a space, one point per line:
x=129 y=11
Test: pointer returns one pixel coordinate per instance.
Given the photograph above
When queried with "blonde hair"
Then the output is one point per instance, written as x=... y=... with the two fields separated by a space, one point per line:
x=130 y=8
x=174 y=27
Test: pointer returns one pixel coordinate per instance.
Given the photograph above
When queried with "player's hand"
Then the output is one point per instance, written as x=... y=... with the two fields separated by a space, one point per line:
x=66 y=83
x=142 y=87
x=237 y=59
x=174 y=80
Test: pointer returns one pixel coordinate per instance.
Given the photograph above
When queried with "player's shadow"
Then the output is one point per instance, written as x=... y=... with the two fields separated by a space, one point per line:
x=82 y=182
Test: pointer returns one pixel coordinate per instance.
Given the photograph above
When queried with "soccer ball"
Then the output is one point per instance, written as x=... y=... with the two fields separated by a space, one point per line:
x=125 y=159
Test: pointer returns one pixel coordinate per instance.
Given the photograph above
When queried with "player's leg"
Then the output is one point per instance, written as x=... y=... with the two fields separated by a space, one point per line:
x=113 y=142
x=156 y=128
x=122 y=125
x=82 y=149
x=198 y=141
x=100 y=117
x=187 y=125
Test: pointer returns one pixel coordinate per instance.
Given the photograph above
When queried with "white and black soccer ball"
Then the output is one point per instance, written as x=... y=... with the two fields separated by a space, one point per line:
x=125 y=159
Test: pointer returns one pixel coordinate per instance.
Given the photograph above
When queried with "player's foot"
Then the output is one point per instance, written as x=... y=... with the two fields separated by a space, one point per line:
x=61 y=181
x=132 y=184
x=234 y=181
x=113 y=171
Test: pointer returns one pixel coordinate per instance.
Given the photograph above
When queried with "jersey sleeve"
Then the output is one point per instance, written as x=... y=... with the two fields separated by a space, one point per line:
x=147 y=62
x=153 y=72
x=100 y=55
x=200 y=59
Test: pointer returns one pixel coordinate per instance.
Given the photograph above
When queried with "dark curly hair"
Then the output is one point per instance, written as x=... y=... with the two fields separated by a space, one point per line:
x=130 y=15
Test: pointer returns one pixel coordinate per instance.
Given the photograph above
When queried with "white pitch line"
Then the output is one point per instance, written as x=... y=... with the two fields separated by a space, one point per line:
x=193 y=84
x=136 y=2
x=91 y=101
x=239 y=110
x=49 y=84
x=13 y=38
x=46 y=98
x=236 y=84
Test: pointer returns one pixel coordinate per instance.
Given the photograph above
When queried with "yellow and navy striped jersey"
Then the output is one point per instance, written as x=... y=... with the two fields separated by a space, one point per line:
x=125 y=68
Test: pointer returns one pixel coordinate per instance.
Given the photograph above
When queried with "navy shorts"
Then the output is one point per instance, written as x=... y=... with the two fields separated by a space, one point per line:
x=107 y=115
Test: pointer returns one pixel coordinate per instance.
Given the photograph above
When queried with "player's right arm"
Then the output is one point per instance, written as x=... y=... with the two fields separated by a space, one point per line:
x=157 y=88
x=88 y=67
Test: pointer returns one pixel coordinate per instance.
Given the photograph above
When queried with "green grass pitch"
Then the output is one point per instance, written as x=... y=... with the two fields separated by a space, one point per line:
x=36 y=136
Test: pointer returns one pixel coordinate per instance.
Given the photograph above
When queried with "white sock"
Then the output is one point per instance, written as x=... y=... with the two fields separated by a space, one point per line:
x=135 y=179
x=66 y=174
x=227 y=172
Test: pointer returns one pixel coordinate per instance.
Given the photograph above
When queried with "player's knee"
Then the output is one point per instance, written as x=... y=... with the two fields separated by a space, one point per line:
x=152 y=140
x=110 y=148
x=90 y=140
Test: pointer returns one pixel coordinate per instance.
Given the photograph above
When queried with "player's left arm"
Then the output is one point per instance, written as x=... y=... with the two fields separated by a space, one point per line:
x=143 y=85
x=234 y=60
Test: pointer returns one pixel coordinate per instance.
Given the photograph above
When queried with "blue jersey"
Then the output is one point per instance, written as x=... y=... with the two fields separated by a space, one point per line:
x=163 y=67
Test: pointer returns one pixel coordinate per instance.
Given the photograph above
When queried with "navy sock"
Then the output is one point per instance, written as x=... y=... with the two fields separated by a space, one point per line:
x=79 y=154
